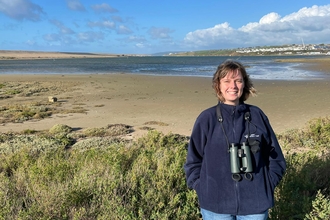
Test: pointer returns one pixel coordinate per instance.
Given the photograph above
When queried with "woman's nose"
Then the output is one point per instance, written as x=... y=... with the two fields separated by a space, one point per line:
x=233 y=84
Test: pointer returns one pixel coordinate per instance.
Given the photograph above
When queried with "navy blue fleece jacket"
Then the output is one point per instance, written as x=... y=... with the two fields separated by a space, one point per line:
x=207 y=166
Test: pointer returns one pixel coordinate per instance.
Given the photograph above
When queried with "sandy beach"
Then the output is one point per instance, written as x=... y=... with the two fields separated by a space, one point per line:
x=16 y=55
x=165 y=103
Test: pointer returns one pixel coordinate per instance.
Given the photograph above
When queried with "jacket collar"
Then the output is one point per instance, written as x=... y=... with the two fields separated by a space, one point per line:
x=230 y=109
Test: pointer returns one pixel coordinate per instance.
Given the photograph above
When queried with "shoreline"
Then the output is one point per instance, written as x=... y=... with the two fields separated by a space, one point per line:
x=164 y=103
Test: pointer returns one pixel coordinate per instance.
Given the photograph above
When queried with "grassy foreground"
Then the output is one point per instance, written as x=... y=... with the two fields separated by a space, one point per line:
x=98 y=174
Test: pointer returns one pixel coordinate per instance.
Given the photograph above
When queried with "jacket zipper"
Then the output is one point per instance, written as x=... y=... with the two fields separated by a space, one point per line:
x=236 y=183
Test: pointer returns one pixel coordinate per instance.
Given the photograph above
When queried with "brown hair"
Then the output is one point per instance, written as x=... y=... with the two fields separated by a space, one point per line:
x=223 y=70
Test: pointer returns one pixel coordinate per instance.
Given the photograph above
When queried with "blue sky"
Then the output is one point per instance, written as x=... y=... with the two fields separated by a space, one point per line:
x=151 y=26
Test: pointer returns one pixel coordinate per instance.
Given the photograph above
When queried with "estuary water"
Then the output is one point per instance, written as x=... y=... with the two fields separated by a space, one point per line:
x=258 y=67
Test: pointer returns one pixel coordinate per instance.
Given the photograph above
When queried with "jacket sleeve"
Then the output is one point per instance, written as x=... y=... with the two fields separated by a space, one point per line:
x=277 y=164
x=194 y=158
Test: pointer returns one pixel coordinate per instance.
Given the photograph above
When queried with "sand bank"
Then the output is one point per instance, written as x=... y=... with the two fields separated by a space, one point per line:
x=321 y=64
x=174 y=101
x=11 y=55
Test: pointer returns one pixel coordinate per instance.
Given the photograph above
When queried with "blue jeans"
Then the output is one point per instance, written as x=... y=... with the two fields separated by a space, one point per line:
x=208 y=215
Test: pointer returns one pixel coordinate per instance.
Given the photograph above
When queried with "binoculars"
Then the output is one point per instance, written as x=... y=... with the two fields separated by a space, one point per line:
x=240 y=161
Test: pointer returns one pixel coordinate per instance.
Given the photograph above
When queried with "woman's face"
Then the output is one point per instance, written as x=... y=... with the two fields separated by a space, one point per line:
x=231 y=87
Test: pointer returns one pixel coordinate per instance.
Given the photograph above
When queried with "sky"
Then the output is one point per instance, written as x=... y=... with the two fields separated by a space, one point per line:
x=151 y=26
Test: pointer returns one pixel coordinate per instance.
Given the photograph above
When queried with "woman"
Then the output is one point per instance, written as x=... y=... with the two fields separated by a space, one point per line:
x=234 y=161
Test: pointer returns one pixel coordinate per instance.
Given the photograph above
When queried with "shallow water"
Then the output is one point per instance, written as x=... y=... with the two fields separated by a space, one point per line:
x=259 y=67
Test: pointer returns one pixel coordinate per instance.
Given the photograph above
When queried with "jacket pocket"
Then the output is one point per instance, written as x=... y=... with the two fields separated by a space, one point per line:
x=196 y=185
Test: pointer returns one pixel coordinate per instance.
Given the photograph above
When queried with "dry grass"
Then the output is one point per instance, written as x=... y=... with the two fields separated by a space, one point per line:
x=99 y=106
x=23 y=110
x=146 y=128
x=110 y=130
x=159 y=123
x=33 y=111
x=32 y=88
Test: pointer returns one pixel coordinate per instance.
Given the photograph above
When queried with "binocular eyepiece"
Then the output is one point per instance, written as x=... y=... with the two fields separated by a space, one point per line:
x=240 y=161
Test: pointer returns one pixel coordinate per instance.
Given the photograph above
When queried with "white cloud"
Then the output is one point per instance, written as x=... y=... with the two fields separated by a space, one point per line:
x=136 y=41
x=269 y=18
x=159 y=33
x=59 y=39
x=104 y=8
x=211 y=36
x=312 y=24
x=140 y=45
x=52 y=37
x=117 y=18
x=102 y=24
x=124 y=30
x=62 y=28
x=314 y=11
x=90 y=36
x=135 y=38
x=21 y=9
x=75 y=5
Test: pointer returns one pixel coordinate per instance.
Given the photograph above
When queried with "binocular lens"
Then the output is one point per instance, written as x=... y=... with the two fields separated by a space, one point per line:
x=248 y=176
x=236 y=176
x=240 y=161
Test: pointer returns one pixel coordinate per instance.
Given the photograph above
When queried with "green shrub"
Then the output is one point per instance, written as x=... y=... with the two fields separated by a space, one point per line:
x=13 y=143
x=60 y=128
x=157 y=181
x=308 y=170
x=306 y=174
x=109 y=130
x=320 y=130
x=117 y=180
x=29 y=131
x=64 y=174
x=314 y=136
x=321 y=207
x=95 y=132
x=13 y=92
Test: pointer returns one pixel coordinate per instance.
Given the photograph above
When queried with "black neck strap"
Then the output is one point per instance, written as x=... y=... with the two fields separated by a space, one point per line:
x=247 y=117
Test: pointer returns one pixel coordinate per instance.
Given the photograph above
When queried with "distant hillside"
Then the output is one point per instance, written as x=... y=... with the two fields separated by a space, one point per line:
x=207 y=53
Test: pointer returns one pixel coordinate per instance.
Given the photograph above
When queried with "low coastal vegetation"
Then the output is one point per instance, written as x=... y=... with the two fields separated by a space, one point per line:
x=17 y=113
x=20 y=111
x=98 y=173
